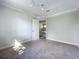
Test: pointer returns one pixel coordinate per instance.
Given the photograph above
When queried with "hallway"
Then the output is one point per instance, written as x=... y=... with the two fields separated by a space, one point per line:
x=43 y=49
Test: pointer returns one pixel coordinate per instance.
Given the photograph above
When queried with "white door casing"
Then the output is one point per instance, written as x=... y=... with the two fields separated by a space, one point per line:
x=35 y=29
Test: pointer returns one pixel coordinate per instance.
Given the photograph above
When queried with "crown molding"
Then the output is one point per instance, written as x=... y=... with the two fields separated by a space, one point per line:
x=61 y=13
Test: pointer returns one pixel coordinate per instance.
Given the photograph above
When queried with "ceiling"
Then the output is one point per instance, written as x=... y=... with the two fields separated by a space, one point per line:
x=41 y=8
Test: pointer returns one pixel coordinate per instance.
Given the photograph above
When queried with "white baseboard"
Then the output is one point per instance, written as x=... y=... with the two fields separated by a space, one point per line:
x=75 y=44
x=10 y=45
x=4 y=47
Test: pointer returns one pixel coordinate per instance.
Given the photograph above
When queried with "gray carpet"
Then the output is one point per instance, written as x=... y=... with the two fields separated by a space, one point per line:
x=44 y=49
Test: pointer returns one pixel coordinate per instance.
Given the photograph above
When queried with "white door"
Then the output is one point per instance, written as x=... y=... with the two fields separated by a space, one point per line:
x=35 y=29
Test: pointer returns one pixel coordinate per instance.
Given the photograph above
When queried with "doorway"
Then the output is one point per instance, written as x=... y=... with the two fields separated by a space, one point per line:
x=35 y=29
x=42 y=29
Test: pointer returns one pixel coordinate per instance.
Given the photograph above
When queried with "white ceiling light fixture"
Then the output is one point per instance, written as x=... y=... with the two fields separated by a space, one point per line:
x=31 y=5
x=42 y=9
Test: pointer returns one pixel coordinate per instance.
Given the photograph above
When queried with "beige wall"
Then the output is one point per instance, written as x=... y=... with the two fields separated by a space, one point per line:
x=14 y=25
x=64 y=27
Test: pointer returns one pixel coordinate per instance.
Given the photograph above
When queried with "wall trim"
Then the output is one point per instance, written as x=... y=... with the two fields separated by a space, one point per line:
x=64 y=12
x=65 y=42
x=11 y=45
x=74 y=44
x=4 y=47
